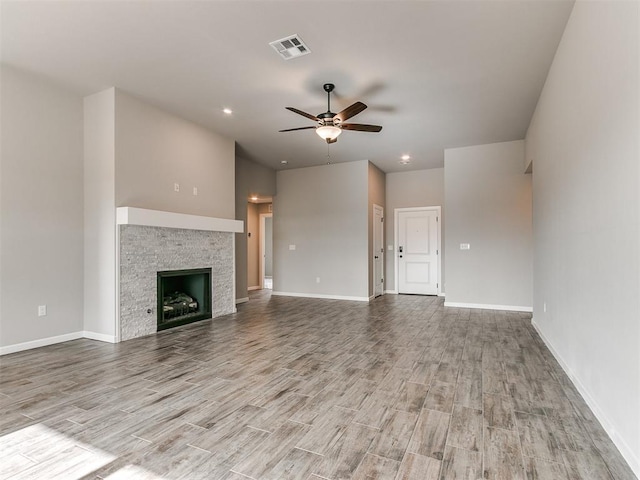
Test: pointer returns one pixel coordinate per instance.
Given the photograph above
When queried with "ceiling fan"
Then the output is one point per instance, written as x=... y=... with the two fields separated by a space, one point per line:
x=329 y=124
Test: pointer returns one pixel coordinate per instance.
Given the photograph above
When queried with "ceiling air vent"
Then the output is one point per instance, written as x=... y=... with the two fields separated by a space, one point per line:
x=290 y=47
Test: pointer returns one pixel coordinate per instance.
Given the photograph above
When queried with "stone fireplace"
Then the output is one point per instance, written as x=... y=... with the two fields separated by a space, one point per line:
x=150 y=242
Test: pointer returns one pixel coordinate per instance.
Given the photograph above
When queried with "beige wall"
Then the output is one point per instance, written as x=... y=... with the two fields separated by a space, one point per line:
x=155 y=150
x=417 y=188
x=41 y=220
x=488 y=200
x=583 y=141
x=323 y=212
x=99 y=215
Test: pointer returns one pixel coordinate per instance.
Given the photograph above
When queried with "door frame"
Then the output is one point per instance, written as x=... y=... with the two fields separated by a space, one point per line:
x=262 y=249
x=396 y=211
x=381 y=253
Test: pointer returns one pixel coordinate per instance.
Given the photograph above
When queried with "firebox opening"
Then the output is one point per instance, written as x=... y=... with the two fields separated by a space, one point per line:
x=184 y=296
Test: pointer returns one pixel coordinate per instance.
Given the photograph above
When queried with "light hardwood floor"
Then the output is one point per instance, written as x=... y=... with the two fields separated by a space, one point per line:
x=401 y=388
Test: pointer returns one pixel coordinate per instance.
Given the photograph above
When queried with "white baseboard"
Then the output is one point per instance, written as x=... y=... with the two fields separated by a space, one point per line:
x=242 y=300
x=632 y=457
x=484 y=306
x=319 y=295
x=255 y=287
x=101 y=337
x=43 y=342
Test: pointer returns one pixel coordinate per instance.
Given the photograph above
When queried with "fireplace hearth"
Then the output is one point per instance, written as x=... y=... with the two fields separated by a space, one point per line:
x=184 y=296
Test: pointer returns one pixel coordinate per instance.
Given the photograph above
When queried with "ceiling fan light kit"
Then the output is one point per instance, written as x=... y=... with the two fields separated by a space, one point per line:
x=329 y=124
x=328 y=132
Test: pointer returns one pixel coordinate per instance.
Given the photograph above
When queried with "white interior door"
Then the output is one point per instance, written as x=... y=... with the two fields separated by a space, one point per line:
x=417 y=250
x=378 y=251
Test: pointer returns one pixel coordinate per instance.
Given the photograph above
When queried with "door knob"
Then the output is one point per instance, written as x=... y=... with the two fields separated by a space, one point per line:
x=376 y=257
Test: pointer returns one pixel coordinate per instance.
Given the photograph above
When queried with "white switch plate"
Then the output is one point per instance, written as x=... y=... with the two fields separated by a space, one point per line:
x=317 y=279
x=465 y=246
x=42 y=310
x=195 y=191
x=292 y=247
x=176 y=187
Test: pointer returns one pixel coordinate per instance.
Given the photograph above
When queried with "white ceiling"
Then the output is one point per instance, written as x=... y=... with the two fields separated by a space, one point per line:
x=435 y=74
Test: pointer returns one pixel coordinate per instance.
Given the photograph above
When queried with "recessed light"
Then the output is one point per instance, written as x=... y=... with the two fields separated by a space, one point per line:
x=405 y=157
x=284 y=162
x=227 y=111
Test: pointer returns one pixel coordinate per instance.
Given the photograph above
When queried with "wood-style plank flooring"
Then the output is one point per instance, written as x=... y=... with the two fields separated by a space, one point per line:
x=291 y=388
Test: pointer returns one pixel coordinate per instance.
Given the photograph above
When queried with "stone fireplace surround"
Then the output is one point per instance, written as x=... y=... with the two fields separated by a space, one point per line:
x=150 y=241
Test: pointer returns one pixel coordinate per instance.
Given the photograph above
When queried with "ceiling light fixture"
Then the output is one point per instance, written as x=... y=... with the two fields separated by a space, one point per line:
x=227 y=111
x=328 y=132
x=405 y=160
x=284 y=162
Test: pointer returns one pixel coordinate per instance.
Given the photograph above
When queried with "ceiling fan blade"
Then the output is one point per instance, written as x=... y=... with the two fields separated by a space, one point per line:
x=351 y=111
x=360 y=127
x=299 y=128
x=304 y=114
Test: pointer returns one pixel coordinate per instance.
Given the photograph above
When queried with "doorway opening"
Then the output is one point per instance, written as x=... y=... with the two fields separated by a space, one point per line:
x=259 y=243
x=266 y=250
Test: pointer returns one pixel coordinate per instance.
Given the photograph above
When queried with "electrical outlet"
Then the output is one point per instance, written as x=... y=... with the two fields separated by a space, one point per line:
x=465 y=246
x=292 y=247
x=195 y=191
x=42 y=310
x=176 y=187
x=317 y=279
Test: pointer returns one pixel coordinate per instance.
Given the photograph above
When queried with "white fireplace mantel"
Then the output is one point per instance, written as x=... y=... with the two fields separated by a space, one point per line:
x=157 y=218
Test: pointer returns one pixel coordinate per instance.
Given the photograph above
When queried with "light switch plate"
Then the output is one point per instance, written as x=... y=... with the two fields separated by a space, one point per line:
x=292 y=247
x=465 y=246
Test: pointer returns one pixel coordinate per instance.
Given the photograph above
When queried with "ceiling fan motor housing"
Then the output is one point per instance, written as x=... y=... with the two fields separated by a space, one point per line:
x=327 y=118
